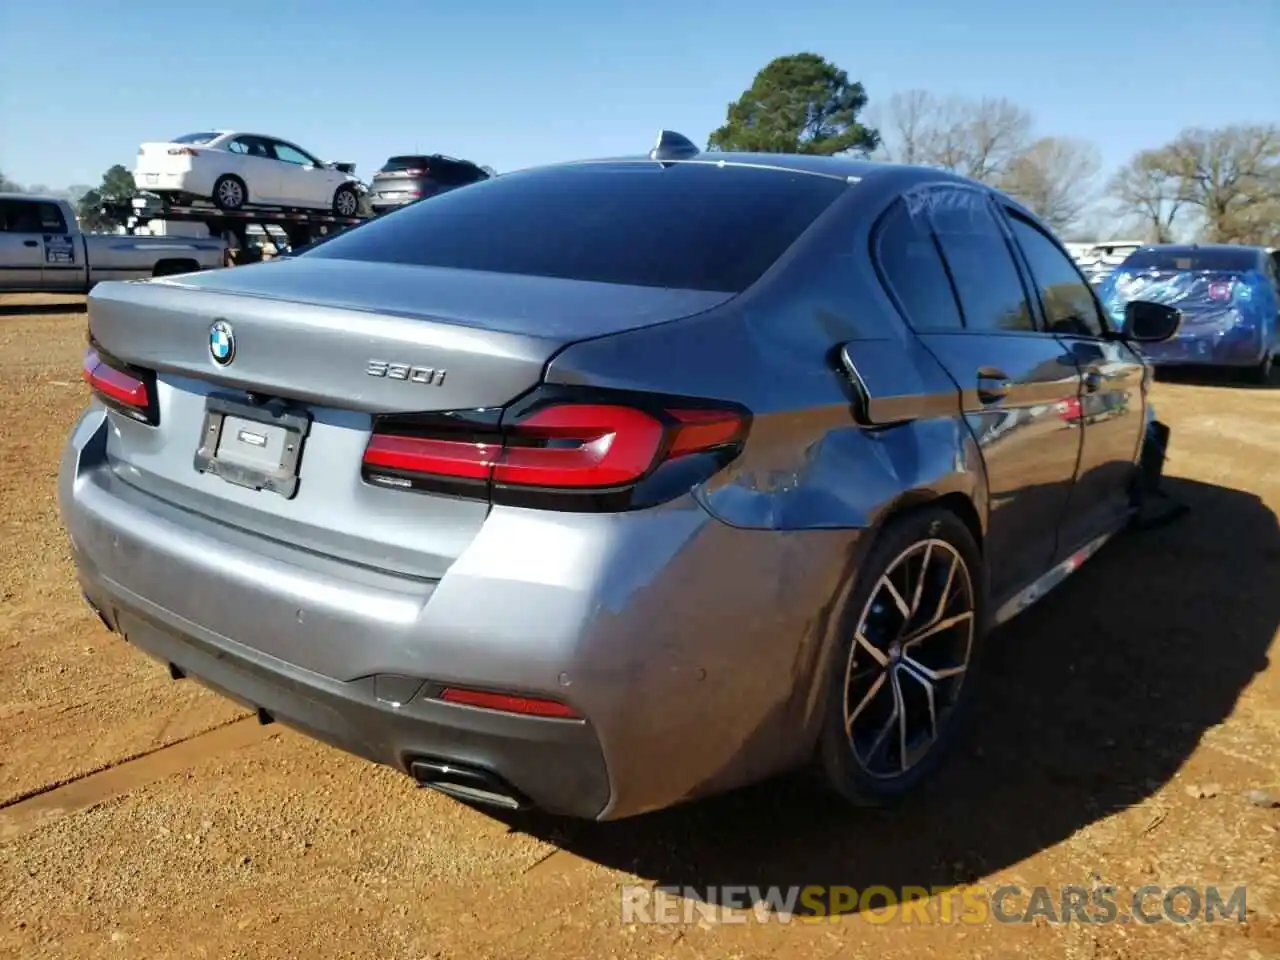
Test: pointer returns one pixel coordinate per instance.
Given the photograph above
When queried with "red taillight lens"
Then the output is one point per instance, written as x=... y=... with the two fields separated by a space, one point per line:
x=580 y=445
x=573 y=447
x=114 y=384
x=509 y=703
x=432 y=455
x=1220 y=290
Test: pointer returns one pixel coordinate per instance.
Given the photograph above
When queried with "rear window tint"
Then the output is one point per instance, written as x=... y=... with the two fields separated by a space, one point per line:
x=1188 y=258
x=684 y=226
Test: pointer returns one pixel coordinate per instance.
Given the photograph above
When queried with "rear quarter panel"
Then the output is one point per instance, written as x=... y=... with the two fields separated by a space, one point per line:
x=796 y=512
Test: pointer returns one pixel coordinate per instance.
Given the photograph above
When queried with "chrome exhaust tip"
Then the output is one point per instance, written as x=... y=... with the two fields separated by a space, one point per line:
x=468 y=784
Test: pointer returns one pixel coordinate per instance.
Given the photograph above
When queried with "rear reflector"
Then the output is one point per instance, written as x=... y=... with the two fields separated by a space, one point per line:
x=591 y=445
x=509 y=703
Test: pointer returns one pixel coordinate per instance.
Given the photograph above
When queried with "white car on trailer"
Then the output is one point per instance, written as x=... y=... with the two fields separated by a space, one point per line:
x=235 y=169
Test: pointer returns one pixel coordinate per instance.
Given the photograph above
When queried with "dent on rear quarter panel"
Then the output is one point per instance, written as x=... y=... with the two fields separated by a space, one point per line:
x=812 y=485
x=808 y=464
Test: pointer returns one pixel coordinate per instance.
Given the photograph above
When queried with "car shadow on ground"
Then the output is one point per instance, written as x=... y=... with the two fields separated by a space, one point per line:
x=1091 y=701
x=41 y=309
x=1194 y=377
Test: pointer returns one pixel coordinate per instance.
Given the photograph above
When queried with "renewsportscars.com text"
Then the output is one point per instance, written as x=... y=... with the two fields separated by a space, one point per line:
x=975 y=904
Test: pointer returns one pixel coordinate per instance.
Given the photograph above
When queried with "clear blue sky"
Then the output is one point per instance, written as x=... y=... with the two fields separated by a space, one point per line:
x=82 y=82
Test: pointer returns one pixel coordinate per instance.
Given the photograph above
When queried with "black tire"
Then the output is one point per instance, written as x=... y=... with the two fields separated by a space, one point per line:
x=843 y=770
x=346 y=201
x=230 y=193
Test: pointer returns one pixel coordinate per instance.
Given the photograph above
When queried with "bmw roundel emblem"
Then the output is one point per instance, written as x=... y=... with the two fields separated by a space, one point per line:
x=222 y=342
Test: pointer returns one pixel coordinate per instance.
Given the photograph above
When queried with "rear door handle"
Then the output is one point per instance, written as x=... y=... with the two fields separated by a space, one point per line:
x=993 y=385
x=31 y=243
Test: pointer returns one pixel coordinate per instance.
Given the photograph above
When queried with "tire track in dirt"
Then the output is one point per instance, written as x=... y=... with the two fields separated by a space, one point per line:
x=47 y=804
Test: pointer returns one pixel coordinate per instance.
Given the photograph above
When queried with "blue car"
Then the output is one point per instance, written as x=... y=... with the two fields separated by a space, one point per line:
x=1229 y=297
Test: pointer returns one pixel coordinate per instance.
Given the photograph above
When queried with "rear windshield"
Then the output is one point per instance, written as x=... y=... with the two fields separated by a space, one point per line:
x=195 y=137
x=691 y=226
x=1187 y=258
x=404 y=163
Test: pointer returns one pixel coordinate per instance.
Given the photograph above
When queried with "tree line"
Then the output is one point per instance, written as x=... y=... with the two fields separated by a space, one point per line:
x=1212 y=185
x=116 y=187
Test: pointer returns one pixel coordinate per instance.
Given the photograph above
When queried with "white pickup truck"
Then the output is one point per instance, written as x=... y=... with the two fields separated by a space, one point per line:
x=43 y=251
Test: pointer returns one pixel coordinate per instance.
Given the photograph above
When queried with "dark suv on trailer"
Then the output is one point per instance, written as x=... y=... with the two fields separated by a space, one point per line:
x=412 y=177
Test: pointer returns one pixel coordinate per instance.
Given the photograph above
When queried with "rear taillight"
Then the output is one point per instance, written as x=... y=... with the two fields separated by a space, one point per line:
x=1220 y=290
x=561 y=449
x=121 y=387
x=183 y=152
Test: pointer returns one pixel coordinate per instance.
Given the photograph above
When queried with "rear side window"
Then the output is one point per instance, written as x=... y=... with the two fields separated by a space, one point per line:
x=1192 y=258
x=1069 y=306
x=914 y=273
x=992 y=298
x=693 y=226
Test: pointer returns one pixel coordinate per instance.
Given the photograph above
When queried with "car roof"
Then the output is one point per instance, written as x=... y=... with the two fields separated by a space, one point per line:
x=840 y=167
x=900 y=176
x=38 y=197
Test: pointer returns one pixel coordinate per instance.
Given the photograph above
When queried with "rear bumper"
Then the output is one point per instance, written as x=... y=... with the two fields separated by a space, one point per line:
x=1235 y=347
x=690 y=646
x=386 y=206
x=554 y=765
x=187 y=182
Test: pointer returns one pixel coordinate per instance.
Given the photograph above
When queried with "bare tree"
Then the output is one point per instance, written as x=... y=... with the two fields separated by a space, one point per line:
x=978 y=138
x=975 y=138
x=907 y=126
x=1231 y=175
x=1147 y=191
x=1055 y=177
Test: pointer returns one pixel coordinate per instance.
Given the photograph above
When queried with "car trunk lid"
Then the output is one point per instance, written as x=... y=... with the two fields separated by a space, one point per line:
x=336 y=343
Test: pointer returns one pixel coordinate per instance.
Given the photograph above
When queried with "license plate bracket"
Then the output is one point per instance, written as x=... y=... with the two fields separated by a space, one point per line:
x=258 y=446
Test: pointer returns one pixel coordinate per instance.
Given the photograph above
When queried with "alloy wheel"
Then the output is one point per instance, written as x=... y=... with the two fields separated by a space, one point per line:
x=230 y=194
x=909 y=656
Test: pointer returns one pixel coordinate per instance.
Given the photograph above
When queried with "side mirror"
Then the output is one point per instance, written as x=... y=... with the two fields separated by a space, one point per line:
x=1147 y=322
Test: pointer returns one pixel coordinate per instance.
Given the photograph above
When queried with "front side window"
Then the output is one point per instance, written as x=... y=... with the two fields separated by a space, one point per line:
x=992 y=298
x=293 y=155
x=1069 y=304
x=31 y=216
x=693 y=226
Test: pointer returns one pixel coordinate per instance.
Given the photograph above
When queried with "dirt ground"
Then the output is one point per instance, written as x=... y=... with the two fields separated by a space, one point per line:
x=1124 y=723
